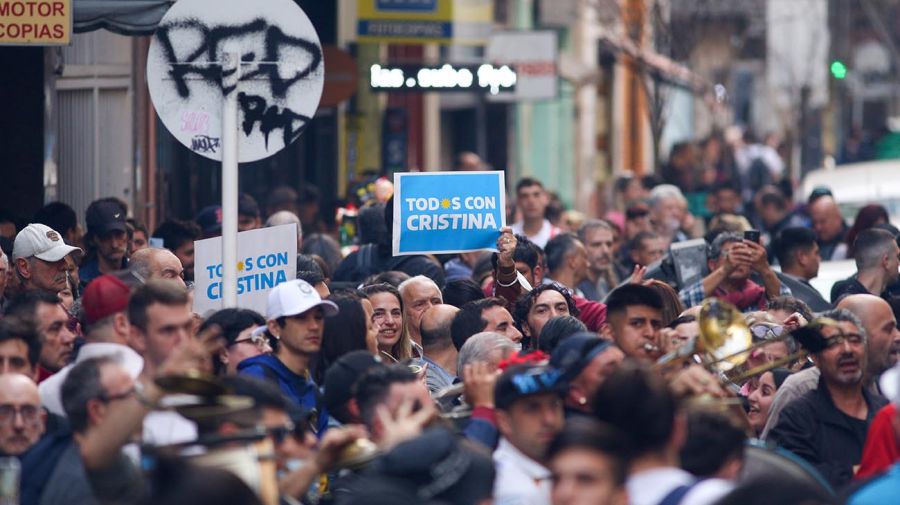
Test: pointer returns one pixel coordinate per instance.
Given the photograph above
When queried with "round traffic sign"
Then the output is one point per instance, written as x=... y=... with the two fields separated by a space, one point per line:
x=282 y=73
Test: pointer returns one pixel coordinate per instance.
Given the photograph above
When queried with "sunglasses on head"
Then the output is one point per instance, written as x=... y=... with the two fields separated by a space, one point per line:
x=767 y=332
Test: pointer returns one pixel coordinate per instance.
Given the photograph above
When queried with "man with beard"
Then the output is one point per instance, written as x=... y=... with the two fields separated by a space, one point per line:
x=827 y=427
x=106 y=239
x=597 y=237
x=41 y=259
x=731 y=260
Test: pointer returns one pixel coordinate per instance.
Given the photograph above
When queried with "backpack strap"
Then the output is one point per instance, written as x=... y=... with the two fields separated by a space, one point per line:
x=676 y=495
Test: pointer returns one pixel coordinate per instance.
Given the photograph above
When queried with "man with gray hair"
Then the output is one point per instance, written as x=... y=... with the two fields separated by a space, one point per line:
x=827 y=426
x=804 y=381
x=667 y=208
x=877 y=262
x=4 y=277
x=419 y=294
x=42 y=259
x=485 y=347
x=597 y=236
x=287 y=217
x=731 y=260
x=156 y=263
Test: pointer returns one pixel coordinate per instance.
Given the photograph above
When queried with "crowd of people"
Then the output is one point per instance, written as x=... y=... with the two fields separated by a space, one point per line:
x=575 y=364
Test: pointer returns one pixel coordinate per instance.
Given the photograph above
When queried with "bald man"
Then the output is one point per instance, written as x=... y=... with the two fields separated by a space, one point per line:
x=157 y=263
x=22 y=420
x=830 y=228
x=878 y=320
x=440 y=354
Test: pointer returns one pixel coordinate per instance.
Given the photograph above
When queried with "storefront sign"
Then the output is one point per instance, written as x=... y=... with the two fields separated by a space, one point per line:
x=488 y=78
x=267 y=257
x=447 y=212
x=36 y=22
x=424 y=21
x=534 y=56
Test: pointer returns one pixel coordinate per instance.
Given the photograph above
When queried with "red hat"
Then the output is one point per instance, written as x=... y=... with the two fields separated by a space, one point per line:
x=103 y=297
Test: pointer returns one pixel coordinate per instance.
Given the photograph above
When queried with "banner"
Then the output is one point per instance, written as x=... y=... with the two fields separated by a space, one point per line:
x=267 y=257
x=447 y=212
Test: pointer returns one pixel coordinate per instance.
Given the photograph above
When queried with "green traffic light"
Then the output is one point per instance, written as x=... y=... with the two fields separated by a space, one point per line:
x=838 y=69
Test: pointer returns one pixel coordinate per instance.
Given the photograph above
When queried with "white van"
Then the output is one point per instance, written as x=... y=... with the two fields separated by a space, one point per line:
x=854 y=186
x=859 y=184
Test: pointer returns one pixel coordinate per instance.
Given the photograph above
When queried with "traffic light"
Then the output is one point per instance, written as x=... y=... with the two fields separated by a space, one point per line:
x=838 y=69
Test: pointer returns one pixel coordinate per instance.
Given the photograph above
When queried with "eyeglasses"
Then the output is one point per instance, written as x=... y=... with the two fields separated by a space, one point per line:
x=840 y=338
x=258 y=340
x=30 y=414
x=767 y=332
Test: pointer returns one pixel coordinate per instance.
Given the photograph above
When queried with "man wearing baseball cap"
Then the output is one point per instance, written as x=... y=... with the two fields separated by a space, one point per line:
x=41 y=259
x=106 y=239
x=106 y=331
x=529 y=403
x=295 y=315
x=585 y=360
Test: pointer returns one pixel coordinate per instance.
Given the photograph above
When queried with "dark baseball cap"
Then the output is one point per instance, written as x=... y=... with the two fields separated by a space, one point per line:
x=104 y=216
x=247 y=205
x=342 y=375
x=210 y=219
x=818 y=192
x=573 y=354
x=520 y=381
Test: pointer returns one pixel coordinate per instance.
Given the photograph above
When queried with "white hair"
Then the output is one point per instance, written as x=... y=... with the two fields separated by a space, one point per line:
x=665 y=192
x=480 y=346
x=415 y=280
x=285 y=217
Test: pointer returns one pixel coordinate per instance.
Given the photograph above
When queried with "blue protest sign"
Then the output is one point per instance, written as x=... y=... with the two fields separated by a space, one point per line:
x=447 y=212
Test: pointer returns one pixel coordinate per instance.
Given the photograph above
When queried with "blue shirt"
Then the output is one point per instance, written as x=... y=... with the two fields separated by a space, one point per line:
x=298 y=388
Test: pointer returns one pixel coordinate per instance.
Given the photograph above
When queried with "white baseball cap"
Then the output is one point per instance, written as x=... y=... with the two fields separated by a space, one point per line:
x=296 y=297
x=42 y=242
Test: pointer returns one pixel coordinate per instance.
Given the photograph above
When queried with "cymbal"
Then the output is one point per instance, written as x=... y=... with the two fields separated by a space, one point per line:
x=192 y=383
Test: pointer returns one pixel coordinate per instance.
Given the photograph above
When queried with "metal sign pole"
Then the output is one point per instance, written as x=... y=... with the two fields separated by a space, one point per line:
x=231 y=75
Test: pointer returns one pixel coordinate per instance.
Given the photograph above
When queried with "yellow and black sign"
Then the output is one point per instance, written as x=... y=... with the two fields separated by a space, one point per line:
x=424 y=21
x=36 y=22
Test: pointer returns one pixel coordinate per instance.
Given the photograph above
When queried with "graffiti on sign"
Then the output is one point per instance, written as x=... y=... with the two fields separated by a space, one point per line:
x=282 y=73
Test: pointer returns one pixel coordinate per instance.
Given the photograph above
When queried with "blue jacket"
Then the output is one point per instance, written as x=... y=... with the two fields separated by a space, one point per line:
x=297 y=388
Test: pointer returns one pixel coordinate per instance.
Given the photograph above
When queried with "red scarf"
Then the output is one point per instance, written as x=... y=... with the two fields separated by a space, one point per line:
x=751 y=296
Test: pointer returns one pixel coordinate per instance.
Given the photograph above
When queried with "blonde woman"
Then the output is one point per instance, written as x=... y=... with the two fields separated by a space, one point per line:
x=393 y=338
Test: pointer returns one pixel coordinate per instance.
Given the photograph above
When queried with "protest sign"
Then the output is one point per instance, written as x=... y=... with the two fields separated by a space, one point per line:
x=447 y=212
x=266 y=257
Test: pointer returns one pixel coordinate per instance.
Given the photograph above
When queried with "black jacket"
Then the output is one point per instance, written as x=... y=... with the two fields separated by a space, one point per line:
x=814 y=429
x=802 y=289
x=374 y=259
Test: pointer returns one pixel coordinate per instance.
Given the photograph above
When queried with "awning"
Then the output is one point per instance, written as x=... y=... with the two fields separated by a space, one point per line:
x=126 y=17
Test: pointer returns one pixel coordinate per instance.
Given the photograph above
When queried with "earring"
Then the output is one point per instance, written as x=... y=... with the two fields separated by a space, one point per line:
x=582 y=401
